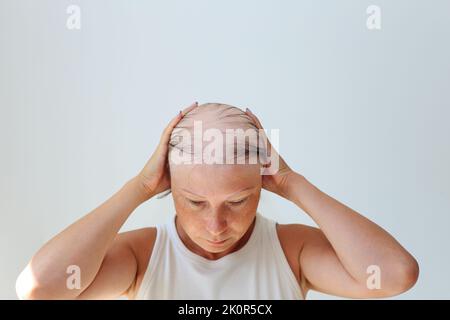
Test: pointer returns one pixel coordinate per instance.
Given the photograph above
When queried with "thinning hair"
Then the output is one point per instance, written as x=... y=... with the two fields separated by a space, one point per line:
x=222 y=118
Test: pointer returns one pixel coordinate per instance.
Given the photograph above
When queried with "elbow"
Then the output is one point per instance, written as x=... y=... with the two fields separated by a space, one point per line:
x=29 y=293
x=404 y=277
x=411 y=274
x=28 y=287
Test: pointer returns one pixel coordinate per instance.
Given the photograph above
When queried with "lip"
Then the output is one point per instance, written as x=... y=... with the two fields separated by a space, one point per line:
x=217 y=243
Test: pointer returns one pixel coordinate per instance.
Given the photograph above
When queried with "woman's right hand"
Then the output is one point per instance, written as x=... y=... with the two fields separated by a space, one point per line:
x=155 y=176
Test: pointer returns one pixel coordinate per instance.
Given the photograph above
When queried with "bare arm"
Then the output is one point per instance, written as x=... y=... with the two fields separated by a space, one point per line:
x=85 y=244
x=107 y=262
x=335 y=258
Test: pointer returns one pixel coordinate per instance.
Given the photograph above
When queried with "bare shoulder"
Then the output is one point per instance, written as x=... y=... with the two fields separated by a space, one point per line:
x=294 y=235
x=141 y=242
x=292 y=239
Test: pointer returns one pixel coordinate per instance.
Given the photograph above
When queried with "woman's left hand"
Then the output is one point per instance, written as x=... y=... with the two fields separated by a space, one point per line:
x=278 y=182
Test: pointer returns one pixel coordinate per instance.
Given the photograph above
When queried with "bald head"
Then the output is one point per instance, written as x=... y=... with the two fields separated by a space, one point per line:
x=215 y=115
x=211 y=132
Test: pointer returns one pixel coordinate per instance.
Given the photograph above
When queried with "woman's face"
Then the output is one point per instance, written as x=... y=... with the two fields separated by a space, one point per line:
x=215 y=203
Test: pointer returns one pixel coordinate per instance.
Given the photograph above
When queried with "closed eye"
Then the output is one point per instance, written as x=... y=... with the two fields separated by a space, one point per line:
x=235 y=203
x=196 y=203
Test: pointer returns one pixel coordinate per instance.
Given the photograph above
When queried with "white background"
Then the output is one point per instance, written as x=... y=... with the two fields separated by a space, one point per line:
x=363 y=114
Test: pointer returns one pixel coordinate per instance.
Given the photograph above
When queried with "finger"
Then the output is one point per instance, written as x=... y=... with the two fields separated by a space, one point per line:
x=254 y=118
x=169 y=128
x=178 y=117
x=190 y=108
x=259 y=126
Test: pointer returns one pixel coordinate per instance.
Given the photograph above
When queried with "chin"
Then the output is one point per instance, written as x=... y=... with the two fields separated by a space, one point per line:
x=216 y=249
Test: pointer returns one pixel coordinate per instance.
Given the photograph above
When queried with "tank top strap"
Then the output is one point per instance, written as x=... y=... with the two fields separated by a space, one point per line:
x=272 y=240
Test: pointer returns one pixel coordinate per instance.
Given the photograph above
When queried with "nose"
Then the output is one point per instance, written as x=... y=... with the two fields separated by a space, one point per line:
x=216 y=224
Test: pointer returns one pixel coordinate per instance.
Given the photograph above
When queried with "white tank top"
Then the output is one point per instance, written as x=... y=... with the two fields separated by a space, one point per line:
x=258 y=270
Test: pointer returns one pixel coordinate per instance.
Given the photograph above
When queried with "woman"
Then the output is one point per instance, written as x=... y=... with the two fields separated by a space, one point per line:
x=218 y=246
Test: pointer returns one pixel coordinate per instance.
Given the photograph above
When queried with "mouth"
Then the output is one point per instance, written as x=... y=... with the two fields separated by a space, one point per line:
x=217 y=243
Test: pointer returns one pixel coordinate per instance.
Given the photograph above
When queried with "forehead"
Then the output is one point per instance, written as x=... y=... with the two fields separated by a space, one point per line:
x=207 y=179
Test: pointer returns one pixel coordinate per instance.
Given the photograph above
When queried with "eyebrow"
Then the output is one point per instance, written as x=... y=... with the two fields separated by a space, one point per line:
x=200 y=196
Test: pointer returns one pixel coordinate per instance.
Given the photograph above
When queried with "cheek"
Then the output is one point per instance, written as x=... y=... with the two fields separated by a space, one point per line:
x=239 y=223
x=191 y=224
x=181 y=205
x=252 y=205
